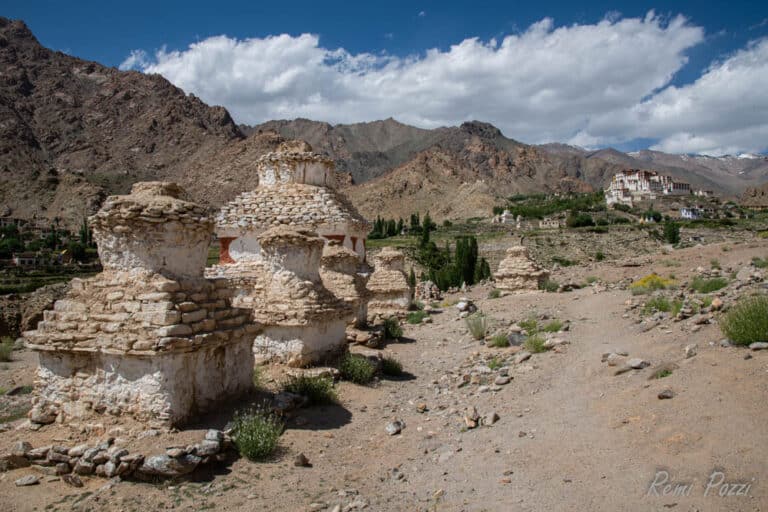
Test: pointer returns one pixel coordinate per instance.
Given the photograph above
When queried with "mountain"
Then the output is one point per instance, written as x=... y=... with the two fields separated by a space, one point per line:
x=72 y=131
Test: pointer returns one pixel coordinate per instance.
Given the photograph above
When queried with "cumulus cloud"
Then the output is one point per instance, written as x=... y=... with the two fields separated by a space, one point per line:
x=589 y=83
x=724 y=111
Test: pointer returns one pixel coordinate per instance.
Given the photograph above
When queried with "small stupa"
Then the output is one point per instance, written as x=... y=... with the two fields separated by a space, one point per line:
x=519 y=272
x=390 y=293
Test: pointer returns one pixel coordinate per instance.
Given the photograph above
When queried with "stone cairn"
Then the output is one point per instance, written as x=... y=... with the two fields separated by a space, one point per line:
x=149 y=337
x=427 y=291
x=343 y=274
x=390 y=293
x=303 y=322
x=518 y=272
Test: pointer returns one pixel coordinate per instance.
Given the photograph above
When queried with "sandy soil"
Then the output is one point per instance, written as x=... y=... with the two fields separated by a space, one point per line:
x=571 y=434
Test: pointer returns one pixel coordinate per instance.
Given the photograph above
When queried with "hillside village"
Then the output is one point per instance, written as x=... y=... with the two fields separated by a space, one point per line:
x=277 y=318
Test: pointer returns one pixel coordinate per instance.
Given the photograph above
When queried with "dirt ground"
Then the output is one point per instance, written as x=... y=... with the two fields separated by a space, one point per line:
x=571 y=435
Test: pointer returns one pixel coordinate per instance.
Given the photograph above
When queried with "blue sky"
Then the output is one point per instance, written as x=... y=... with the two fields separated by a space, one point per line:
x=356 y=47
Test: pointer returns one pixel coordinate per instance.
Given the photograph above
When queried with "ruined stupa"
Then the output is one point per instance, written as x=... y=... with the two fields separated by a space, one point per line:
x=149 y=337
x=303 y=322
x=345 y=276
x=390 y=293
x=518 y=272
x=296 y=189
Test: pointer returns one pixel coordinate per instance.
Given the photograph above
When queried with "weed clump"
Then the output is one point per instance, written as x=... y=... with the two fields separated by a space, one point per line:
x=702 y=285
x=357 y=368
x=392 y=329
x=499 y=341
x=415 y=317
x=391 y=367
x=535 y=344
x=256 y=433
x=317 y=389
x=477 y=324
x=747 y=321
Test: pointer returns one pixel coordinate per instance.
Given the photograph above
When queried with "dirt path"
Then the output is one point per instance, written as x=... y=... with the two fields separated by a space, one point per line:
x=571 y=435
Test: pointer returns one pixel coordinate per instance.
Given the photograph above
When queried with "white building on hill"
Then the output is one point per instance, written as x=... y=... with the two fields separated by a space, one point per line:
x=639 y=185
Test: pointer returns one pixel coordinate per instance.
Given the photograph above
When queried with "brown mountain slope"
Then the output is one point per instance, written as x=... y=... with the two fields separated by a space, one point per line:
x=72 y=130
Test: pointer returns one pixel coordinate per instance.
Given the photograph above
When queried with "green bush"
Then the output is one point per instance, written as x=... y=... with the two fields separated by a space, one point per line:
x=701 y=285
x=415 y=317
x=658 y=303
x=477 y=324
x=760 y=262
x=356 y=368
x=535 y=344
x=6 y=348
x=495 y=363
x=530 y=325
x=747 y=321
x=392 y=329
x=256 y=433
x=553 y=326
x=563 y=262
x=318 y=389
x=715 y=263
x=494 y=294
x=391 y=367
x=499 y=341
x=549 y=285
x=599 y=256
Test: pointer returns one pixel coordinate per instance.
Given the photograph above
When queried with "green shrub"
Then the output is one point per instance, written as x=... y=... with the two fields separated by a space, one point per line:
x=747 y=321
x=494 y=294
x=535 y=344
x=553 y=326
x=495 y=363
x=477 y=324
x=660 y=374
x=706 y=301
x=530 y=325
x=599 y=256
x=760 y=262
x=591 y=280
x=659 y=303
x=563 y=262
x=6 y=348
x=415 y=317
x=677 y=305
x=256 y=433
x=499 y=341
x=715 y=264
x=356 y=368
x=701 y=285
x=417 y=305
x=549 y=285
x=318 y=389
x=391 y=367
x=392 y=329
x=257 y=377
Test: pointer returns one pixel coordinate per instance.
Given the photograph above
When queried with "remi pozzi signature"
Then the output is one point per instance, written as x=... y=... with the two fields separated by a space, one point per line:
x=716 y=485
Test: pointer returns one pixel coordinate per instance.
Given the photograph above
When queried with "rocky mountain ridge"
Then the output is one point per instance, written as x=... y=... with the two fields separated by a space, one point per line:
x=73 y=131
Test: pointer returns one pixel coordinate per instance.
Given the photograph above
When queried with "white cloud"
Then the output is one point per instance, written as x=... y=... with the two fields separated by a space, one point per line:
x=724 y=111
x=588 y=83
x=136 y=60
x=422 y=14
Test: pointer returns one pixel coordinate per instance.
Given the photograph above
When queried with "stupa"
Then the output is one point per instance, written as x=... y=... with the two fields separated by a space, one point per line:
x=518 y=272
x=149 y=336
